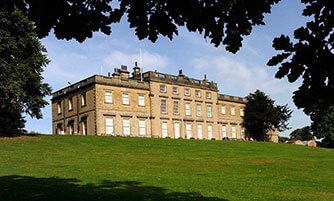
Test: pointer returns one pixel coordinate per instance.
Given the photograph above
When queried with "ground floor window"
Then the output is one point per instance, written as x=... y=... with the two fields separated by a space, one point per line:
x=224 y=131
x=84 y=127
x=243 y=133
x=109 y=126
x=71 y=127
x=126 y=126
x=199 y=131
x=188 y=131
x=209 y=132
x=142 y=127
x=176 y=129
x=164 y=129
x=234 y=134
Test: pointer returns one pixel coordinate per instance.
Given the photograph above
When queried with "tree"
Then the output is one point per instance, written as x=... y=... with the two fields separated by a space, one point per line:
x=223 y=22
x=22 y=60
x=261 y=115
x=311 y=58
x=302 y=134
x=325 y=128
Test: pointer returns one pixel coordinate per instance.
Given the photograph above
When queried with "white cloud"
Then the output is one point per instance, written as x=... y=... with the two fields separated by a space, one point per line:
x=235 y=75
x=151 y=61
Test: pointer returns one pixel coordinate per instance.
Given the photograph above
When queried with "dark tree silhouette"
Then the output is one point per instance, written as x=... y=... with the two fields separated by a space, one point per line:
x=223 y=22
x=311 y=58
x=261 y=115
x=21 y=63
x=302 y=134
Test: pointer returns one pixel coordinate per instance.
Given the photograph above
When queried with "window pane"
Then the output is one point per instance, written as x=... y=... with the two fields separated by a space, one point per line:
x=108 y=97
x=209 y=111
x=188 y=109
x=199 y=131
x=142 y=127
x=232 y=111
x=188 y=131
x=125 y=99
x=164 y=129
x=163 y=106
x=109 y=126
x=126 y=126
x=209 y=132
x=233 y=132
x=224 y=131
x=223 y=109
x=176 y=107
x=199 y=110
x=141 y=100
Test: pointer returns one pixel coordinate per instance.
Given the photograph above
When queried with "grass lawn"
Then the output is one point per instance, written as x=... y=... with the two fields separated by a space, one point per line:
x=118 y=168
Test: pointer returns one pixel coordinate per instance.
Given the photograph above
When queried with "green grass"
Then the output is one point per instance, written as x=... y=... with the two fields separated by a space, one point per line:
x=117 y=168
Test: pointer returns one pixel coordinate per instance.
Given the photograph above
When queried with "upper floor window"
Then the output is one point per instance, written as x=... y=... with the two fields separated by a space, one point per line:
x=59 y=107
x=199 y=110
x=176 y=107
x=232 y=110
x=163 y=88
x=141 y=100
x=242 y=113
x=223 y=111
x=209 y=111
x=163 y=106
x=188 y=109
x=198 y=93
x=208 y=95
x=83 y=99
x=108 y=97
x=187 y=92
x=125 y=99
x=175 y=90
x=70 y=104
x=162 y=76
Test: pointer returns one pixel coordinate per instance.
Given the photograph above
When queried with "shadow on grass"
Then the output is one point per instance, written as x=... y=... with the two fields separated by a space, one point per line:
x=17 y=188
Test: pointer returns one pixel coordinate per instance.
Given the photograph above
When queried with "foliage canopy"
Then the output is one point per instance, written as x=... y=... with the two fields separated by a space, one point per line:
x=223 y=22
x=261 y=115
x=22 y=60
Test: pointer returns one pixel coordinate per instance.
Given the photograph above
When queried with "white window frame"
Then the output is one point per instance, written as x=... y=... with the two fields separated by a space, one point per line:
x=59 y=107
x=164 y=129
x=188 y=131
x=199 y=131
x=142 y=127
x=209 y=110
x=141 y=100
x=109 y=126
x=163 y=109
x=199 y=110
x=187 y=92
x=126 y=127
x=188 y=109
x=176 y=107
x=177 y=132
x=224 y=131
x=209 y=132
x=242 y=112
x=108 y=97
x=125 y=99
x=234 y=132
x=208 y=95
x=175 y=90
x=70 y=104
x=243 y=132
x=198 y=93
x=163 y=88
x=83 y=99
x=223 y=109
x=232 y=110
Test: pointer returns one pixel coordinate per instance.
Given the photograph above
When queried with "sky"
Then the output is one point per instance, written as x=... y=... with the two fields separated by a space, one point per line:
x=236 y=74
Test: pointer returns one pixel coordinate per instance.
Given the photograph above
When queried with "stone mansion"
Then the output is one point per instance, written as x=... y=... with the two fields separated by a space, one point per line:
x=149 y=104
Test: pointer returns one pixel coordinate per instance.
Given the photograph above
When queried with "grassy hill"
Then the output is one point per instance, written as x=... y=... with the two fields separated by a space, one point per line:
x=117 y=168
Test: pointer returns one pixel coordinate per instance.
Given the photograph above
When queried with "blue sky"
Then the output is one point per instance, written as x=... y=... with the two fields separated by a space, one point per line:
x=236 y=74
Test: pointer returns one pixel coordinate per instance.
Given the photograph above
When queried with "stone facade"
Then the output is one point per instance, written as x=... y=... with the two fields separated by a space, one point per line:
x=151 y=104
